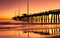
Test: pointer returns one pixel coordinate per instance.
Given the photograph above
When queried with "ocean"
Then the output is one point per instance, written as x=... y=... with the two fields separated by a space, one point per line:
x=16 y=30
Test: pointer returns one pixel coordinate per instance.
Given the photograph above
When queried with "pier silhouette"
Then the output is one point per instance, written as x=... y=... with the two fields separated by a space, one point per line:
x=51 y=16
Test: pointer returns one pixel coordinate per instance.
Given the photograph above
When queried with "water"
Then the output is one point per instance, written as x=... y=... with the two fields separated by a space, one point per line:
x=18 y=31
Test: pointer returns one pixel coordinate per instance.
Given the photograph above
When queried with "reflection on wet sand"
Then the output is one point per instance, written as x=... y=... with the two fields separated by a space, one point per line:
x=21 y=34
x=35 y=31
x=15 y=34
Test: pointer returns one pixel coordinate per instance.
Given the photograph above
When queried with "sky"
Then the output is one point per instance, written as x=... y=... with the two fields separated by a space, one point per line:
x=9 y=7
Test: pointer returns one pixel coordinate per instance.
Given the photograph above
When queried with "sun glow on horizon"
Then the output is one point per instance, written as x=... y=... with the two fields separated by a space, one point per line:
x=9 y=7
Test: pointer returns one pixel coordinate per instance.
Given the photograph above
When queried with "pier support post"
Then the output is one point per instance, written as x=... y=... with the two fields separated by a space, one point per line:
x=54 y=18
x=48 y=18
x=41 y=19
x=51 y=18
x=58 y=18
x=44 y=18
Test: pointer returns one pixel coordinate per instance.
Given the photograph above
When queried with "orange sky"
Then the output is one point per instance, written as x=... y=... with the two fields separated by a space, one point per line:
x=8 y=7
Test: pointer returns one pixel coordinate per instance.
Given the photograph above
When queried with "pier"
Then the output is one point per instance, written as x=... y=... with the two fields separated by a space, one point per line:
x=52 y=16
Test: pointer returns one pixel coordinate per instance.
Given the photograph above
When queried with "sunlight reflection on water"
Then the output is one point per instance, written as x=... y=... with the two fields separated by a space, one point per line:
x=17 y=34
x=11 y=31
x=14 y=33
